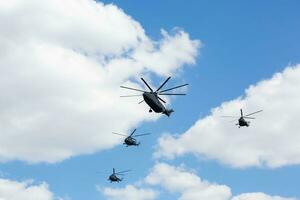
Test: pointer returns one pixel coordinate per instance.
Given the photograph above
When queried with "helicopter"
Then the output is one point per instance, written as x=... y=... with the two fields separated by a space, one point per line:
x=130 y=140
x=153 y=99
x=242 y=119
x=114 y=178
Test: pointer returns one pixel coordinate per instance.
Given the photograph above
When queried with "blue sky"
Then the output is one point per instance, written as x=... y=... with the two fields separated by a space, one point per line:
x=243 y=42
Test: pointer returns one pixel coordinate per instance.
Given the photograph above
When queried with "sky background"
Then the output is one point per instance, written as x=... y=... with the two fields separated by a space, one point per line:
x=243 y=42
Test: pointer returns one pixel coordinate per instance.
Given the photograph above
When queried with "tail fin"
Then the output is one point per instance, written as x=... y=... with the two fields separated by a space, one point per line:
x=168 y=112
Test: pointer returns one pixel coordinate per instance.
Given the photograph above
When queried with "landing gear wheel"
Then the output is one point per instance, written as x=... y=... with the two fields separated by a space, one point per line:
x=150 y=110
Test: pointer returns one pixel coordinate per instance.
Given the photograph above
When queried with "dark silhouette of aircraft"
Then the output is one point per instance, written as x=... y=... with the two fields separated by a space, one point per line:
x=114 y=178
x=242 y=119
x=153 y=99
x=130 y=139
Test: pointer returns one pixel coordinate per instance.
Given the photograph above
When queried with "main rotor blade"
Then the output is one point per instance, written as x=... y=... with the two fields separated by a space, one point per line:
x=173 y=88
x=231 y=116
x=241 y=112
x=171 y=94
x=249 y=117
x=161 y=99
x=141 y=101
x=142 y=134
x=163 y=84
x=119 y=134
x=132 y=132
x=120 y=175
x=233 y=120
x=147 y=85
x=121 y=172
x=137 y=95
x=129 y=88
x=253 y=113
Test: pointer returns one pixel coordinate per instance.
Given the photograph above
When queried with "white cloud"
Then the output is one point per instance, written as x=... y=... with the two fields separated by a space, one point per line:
x=13 y=190
x=62 y=63
x=259 y=196
x=130 y=192
x=189 y=186
x=272 y=140
x=168 y=58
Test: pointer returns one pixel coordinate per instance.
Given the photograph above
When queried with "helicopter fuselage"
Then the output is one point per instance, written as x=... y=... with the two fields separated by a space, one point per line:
x=243 y=122
x=114 y=178
x=151 y=98
x=130 y=141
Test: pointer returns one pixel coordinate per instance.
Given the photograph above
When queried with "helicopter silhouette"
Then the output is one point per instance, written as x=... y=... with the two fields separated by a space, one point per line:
x=114 y=178
x=130 y=139
x=153 y=99
x=242 y=119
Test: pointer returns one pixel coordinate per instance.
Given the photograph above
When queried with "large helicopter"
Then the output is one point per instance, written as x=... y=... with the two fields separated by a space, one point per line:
x=242 y=119
x=130 y=139
x=114 y=178
x=153 y=99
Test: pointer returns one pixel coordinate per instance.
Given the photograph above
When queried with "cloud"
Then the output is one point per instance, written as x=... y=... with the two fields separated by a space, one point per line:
x=62 y=63
x=130 y=192
x=168 y=58
x=259 y=196
x=272 y=140
x=189 y=186
x=13 y=190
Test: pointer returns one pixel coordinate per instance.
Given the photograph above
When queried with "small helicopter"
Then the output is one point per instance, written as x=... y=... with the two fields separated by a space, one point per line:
x=130 y=139
x=153 y=99
x=242 y=119
x=114 y=178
